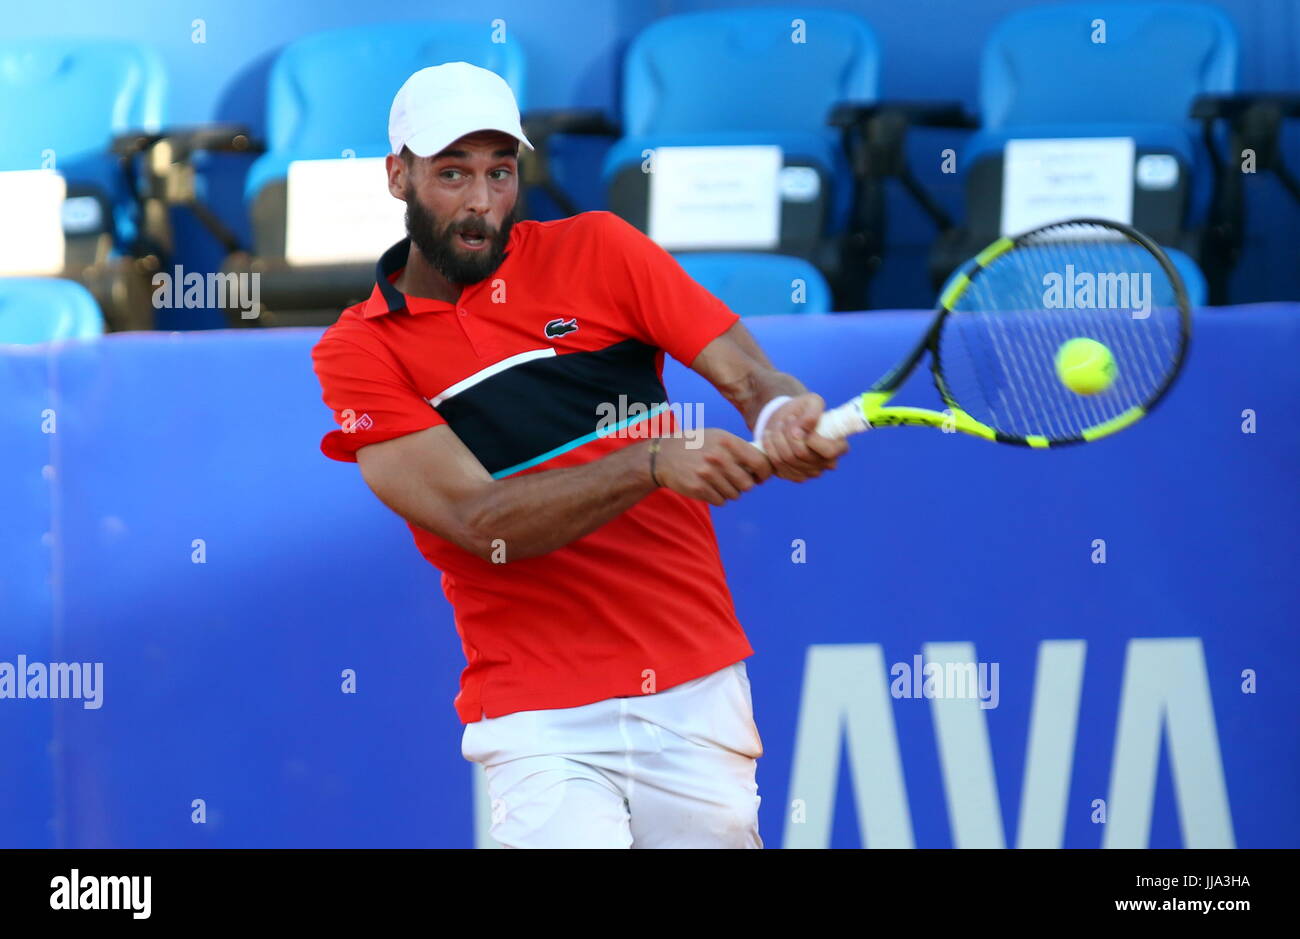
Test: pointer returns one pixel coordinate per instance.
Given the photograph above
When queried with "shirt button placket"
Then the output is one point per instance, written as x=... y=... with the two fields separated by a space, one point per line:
x=466 y=325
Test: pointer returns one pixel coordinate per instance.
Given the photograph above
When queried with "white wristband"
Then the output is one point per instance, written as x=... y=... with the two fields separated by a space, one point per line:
x=761 y=424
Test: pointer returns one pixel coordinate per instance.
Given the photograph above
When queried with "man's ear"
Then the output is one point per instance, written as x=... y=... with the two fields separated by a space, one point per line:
x=399 y=182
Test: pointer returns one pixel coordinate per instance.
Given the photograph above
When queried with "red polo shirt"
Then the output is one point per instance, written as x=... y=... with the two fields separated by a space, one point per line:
x=564 y=339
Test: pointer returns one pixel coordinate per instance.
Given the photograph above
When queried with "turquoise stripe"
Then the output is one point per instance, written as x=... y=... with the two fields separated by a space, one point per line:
x=574 y=444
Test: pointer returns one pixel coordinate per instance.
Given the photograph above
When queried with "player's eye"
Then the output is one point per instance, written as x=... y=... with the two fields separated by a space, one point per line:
x=449 y=174
x=501 y=173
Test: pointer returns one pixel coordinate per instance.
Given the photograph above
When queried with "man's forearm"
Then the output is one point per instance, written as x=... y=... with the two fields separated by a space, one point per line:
x=531 y=515
x=749 y=381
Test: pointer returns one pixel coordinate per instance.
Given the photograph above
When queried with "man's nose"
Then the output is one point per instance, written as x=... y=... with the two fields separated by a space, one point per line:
x=477 y=199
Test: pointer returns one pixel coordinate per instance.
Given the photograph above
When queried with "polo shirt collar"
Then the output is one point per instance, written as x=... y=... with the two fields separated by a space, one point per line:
x=386 y=298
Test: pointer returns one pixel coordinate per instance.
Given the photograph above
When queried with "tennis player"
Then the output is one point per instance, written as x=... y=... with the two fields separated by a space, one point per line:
x=605 y=691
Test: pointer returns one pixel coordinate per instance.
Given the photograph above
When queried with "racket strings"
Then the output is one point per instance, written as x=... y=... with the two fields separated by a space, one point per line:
x=997 y=352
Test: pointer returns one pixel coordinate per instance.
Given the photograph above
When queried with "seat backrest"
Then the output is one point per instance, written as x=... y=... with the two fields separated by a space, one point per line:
x=62 y=101
x=71 y=96
x=759 y=284
x=747 y=70
x=1046 y=65
x=332 y=91
x=1111 y=69
x=37 y=309
x=1192 y=275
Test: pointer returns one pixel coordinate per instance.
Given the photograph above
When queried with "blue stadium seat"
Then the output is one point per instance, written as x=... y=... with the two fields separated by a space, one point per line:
x=1043 y=76
x=1193 y=277
x=738 y=77
x=317 y=109
x=760 y=284
x=39 y=309
x=62 y=104
x=62 y=101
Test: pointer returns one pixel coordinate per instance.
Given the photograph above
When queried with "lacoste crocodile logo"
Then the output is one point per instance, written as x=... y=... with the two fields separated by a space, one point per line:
x=557 y=328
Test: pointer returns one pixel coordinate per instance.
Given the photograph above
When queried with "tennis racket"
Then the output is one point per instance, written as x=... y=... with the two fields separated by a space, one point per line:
x=1003 y=319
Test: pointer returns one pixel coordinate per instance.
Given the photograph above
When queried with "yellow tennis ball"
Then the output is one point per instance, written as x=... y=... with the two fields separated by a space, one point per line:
x=1085 y=366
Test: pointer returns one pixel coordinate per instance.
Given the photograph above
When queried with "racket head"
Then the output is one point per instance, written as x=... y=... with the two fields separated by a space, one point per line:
x=1004 y=317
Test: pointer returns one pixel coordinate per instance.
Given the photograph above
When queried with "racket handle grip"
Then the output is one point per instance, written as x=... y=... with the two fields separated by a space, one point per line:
x=839 y=422
x=842 y=421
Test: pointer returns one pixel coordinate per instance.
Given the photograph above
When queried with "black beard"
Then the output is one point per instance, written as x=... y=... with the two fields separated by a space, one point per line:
x=436 y=244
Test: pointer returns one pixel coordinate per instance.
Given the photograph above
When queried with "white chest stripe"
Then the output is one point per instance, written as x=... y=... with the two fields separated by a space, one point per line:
x=485 y=373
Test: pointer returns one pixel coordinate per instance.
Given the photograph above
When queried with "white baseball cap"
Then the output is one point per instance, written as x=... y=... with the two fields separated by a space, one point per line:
x=440 y=104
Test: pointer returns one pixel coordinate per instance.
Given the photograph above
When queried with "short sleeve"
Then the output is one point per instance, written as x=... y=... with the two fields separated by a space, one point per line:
x=371 y=401
x=663 y=302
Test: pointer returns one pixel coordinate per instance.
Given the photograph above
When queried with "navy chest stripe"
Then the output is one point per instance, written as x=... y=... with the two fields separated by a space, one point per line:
x=543 y=404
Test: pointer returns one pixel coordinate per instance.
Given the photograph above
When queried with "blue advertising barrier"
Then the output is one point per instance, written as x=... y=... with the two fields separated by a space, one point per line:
x=1128 y=610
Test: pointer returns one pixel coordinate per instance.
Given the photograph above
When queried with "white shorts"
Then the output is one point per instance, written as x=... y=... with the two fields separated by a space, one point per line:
x=668 y=770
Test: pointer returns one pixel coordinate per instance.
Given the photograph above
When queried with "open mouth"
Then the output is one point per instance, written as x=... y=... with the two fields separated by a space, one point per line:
x=472 y=239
